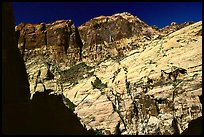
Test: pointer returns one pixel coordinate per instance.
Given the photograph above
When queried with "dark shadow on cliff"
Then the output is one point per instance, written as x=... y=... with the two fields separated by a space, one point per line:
x=45 y=114
x=194 y=127
x=50 y=116
x=15 y=86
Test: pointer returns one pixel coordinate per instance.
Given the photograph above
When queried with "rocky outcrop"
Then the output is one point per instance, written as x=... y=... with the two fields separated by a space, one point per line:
x=45 y=114
x=31 y=35
x=113 y=28
x=94 y=41
x=135 y=104
x=101 y=36
x=59 y=41
x=174 y=27
x=116 y=73
x=128 y=95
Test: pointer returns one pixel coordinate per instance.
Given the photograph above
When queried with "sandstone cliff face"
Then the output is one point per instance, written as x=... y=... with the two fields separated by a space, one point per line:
x=59 y=41
x=102 y=34
x=119 y=99
x=45 y=114
x=117 y=95
x=93 y=42
x=109 y=72
x=113 y=28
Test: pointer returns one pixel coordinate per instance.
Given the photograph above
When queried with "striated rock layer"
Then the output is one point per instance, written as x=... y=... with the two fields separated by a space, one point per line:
x=113 y=28
x=93 y=42
x=59 y=41
x=133 y=84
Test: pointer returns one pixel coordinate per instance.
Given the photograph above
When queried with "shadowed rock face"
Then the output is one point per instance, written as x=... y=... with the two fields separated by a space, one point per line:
x=45 y=114
x=53 y=117
x=15 y=93
x=194 y=127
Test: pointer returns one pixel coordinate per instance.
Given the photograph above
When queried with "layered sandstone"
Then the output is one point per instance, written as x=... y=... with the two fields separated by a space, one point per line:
x=113 y=28
x=114 y=96
x=93 y=42
x=59 y=41
x=103 y=68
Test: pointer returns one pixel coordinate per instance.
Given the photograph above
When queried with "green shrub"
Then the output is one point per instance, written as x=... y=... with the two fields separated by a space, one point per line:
x=98 y=84
x=99 y=132
x=68 y=103
x=75 y=73
x=155 y=27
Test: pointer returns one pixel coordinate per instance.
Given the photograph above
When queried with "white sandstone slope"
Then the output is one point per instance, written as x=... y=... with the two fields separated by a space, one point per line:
x=115 y=97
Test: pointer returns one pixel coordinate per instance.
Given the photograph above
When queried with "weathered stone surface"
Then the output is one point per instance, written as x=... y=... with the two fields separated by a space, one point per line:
x=31 y=35
x=174 y=27
x=59 y=40
x=101 y=36
x=45 y=114
x=137 y=107
x=112 y=28
x=122 y=92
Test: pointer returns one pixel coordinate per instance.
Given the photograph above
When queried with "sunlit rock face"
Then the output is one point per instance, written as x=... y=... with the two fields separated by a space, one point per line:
x=59 y=41
x=115 y=36
x=113 y=28
x=100 y=35
x=174 y=27
x=136 y=81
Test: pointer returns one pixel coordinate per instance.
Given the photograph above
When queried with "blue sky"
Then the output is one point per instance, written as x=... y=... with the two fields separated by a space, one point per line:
x=152 y=13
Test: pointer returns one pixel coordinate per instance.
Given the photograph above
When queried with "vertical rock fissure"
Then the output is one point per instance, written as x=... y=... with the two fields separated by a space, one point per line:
x=67 y=38
x=175 y=123
x=117 y=109
x=78 y=42
x=45 y=37
x=24 y=43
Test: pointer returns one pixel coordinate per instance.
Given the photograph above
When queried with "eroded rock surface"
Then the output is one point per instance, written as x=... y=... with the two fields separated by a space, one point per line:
x=59 y=41
x=174 y=27
x=45 y=114
x=117 y=86
x=113 y=28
